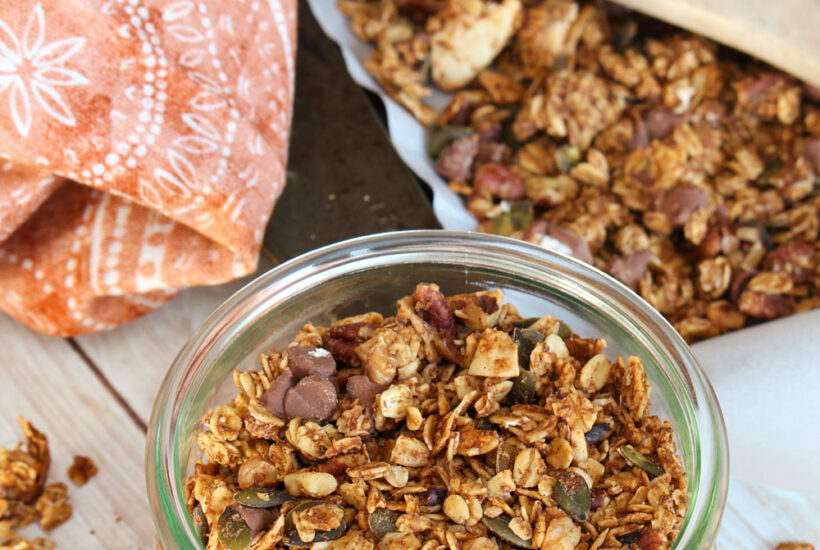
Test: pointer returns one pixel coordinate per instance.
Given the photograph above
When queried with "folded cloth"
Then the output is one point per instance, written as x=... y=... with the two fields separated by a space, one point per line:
x=145 y=144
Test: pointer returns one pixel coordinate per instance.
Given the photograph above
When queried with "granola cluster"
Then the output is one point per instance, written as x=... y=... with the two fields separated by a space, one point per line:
x=685 y=170
x=25 y=497
x=454 y=424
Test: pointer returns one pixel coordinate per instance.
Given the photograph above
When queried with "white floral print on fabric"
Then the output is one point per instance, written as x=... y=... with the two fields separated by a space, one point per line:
x=145 y=144
x=32 y=69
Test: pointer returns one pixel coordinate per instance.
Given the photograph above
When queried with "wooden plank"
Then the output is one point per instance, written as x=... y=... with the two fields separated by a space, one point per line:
x=784 y=33
x=135 y=357
x=759 y=517
x=47 y=382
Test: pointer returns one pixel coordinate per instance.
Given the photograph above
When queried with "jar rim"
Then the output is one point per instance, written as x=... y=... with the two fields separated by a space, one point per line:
x=709 y=485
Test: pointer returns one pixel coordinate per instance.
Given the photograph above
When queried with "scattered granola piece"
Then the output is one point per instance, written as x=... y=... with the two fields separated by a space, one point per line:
x=794 y=546
x=17 y=543
x=53 y=506
x=81 y=470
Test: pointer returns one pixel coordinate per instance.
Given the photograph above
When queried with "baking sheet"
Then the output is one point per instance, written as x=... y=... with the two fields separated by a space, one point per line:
x=766 y=377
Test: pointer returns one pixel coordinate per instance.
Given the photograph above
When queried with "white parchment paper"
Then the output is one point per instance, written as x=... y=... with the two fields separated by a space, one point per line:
x=767 y=377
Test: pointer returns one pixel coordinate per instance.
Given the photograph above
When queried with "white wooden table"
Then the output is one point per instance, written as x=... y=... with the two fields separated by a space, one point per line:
x=92 y=395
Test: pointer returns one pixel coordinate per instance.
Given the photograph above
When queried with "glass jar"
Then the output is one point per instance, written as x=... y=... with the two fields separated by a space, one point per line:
x=370 y=274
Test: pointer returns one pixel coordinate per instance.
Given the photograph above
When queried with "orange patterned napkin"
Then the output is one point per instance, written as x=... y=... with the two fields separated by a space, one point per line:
x=143 y=145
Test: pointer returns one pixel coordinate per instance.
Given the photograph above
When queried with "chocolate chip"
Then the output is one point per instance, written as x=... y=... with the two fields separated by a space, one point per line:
x=360 y=387
x=310 y=362
x=629 y=269
x=679 y=203
x=274 y=397
x=258 y=519
x=812 y=154
x=662 y=122
x=313 y=397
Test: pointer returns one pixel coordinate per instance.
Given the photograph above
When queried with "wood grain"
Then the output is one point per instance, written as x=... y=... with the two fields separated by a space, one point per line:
x=135 y=357
x=784 y=32
x=46 y=381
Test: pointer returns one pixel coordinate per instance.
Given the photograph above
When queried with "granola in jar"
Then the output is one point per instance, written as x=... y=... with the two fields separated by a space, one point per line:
x=452 y=424
x=684 y=169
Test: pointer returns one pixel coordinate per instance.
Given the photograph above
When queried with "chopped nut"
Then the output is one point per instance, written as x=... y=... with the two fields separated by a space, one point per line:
x=312 y=484
x=496 y=355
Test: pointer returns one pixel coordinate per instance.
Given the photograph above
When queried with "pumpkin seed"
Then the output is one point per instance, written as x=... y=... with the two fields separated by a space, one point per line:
x=518 y=217
x=382 y=522
x=200 y=523
x=233 y=532
x=292 y=536
x=598 y=432
x=526 y=338
x=505 y=456
x=573 y=496
x=262 y=498
x=525 y=323
x=564 y=330
x=442 y=136
x=637 y=459
x=523 y=389
x=500 y=526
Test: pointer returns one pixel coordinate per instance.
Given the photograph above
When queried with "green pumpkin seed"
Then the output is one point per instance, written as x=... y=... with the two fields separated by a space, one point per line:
x=505 y=456
x=382 y=522
x=233 y=532
x=525 y=323
x=637 y=459
x=292 y=536
x=500 y=527
x=262 y=498
x=441 y=137
x=200 y=523
x=573 y=496
x=566 y=156
x=564 y=330
x=517 y=218
x=523 y=389
x=527 y=339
